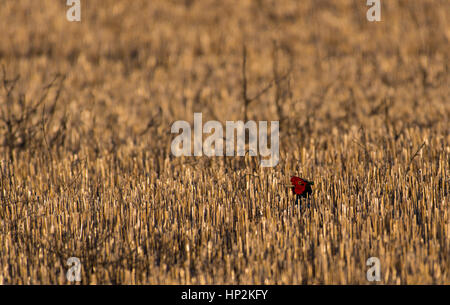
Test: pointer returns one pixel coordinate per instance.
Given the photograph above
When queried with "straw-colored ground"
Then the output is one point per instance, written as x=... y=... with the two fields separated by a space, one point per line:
x=86 y=168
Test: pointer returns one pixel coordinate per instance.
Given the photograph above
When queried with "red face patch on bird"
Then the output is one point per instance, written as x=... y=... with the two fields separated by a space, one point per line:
x=301 y=186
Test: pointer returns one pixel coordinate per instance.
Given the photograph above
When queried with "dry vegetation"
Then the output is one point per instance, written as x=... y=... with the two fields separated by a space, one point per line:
x=86 y=169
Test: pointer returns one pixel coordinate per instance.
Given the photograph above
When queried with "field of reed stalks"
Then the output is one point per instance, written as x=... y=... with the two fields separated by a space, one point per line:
x=86 y=110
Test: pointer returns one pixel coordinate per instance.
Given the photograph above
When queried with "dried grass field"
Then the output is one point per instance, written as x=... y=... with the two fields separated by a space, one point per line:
x=86 y=110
